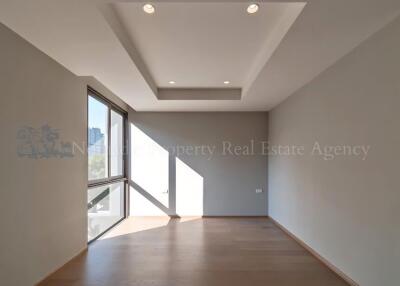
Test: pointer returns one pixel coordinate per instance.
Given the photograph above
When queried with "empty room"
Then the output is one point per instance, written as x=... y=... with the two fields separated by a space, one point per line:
x=199 y=142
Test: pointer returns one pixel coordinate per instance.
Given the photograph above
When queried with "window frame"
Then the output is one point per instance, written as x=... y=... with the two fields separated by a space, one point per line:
x=91 y=92
x=111 y=106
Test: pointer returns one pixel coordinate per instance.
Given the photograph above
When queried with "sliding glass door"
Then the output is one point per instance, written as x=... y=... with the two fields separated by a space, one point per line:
x=106 y=165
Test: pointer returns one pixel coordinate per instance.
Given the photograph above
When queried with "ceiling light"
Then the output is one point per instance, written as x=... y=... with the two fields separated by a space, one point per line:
x=252 y=8
x=149 y=9
x=171 y=82
x=227 y=82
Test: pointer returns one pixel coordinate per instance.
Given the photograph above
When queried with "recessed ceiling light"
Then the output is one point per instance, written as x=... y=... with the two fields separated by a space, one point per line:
x=149 y=9
x=171 y=82
x=227 y=82
x=252 y=8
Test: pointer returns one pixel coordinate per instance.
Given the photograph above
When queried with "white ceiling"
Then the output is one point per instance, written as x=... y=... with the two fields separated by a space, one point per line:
x=201 y=44
x=268 y=55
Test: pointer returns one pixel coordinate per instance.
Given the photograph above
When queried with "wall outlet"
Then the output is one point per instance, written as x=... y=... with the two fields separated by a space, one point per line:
x=258 y=191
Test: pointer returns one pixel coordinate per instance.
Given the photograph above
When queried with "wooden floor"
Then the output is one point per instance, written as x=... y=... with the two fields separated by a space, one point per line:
x=195 y=251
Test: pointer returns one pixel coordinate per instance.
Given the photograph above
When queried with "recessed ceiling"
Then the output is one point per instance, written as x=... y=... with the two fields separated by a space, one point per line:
x=199 y=44
x=202 y=44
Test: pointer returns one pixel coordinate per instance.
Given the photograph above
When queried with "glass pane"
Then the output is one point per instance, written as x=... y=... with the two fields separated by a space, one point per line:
x=105 y=208
x=97 y=139
x=116 y=147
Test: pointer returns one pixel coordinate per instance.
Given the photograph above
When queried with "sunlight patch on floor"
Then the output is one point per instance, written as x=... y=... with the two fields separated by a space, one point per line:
x=137 y=224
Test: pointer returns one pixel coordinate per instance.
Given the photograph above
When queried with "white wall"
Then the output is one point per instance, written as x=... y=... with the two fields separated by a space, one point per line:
x=346 y=209
x=198 y=184
x=43 y=201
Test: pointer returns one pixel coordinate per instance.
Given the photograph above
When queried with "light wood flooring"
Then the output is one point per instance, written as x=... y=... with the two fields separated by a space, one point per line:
x=195 y=251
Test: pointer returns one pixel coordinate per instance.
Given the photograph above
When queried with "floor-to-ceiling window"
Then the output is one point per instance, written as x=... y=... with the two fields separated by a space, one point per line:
x=106 y=165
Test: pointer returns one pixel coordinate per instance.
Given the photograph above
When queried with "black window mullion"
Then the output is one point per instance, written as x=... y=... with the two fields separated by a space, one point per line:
x=109 y=142
x=108 y=182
